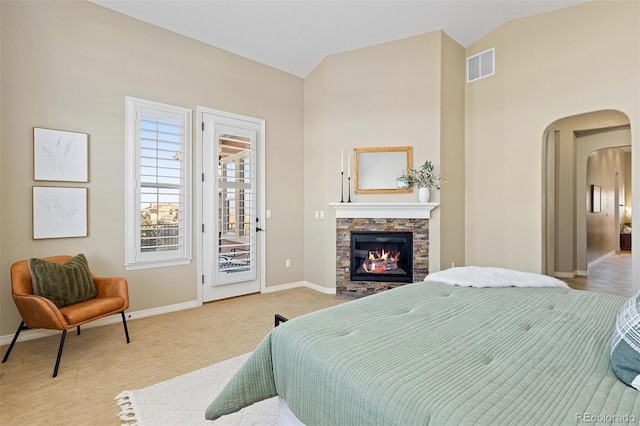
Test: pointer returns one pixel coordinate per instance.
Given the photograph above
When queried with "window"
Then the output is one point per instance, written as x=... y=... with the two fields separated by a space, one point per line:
x=158 y=210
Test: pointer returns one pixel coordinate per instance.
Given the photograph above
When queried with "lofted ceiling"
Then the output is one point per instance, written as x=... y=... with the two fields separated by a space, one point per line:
x=294 y=36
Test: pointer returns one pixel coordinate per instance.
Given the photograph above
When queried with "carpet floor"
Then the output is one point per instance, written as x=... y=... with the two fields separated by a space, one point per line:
x=98 y=364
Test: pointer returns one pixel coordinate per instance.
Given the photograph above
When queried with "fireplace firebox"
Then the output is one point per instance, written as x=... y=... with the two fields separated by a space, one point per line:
x=382 y=256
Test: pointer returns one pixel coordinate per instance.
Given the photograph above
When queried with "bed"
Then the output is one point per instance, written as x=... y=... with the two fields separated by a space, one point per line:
x=436 y=353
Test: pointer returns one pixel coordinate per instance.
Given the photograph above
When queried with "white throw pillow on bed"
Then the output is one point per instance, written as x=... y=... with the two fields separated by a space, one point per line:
x=625 y=343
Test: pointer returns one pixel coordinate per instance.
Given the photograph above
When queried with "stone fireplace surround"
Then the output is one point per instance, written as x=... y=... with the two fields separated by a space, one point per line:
x=379 y=217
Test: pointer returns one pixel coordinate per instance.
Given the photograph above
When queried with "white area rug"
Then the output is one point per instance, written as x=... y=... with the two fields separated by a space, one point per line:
x=184 y=399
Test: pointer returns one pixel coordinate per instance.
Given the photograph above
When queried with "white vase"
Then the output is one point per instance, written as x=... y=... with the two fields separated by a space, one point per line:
x=424 y=194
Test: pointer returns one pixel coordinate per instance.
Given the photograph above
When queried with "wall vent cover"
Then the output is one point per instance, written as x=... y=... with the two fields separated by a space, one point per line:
x=481 y=65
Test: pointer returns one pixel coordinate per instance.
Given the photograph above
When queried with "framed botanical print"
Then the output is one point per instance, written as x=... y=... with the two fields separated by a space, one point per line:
x=61 y=156
x=59 y=212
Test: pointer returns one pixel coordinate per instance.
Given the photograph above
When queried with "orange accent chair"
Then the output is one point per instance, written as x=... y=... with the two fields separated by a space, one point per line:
x=38 y=312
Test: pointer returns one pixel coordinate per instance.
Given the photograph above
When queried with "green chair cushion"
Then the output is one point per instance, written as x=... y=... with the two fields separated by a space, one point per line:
x=63 y=284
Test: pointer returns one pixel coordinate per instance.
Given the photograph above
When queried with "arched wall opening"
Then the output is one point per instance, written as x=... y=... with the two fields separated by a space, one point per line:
x=580 y=151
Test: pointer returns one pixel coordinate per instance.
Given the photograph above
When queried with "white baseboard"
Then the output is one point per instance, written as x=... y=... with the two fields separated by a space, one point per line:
x=161 y=310
x=319 y=288
x=570 y=274
x=601 y=258
x=562 y=274
x=297 y=284
x=282 y=287
x=39 y=332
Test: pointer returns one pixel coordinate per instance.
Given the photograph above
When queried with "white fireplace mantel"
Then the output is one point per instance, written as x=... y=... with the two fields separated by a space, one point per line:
x=384 y=210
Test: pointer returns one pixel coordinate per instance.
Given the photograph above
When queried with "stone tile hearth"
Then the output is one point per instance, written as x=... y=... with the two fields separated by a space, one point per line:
x=347 y=289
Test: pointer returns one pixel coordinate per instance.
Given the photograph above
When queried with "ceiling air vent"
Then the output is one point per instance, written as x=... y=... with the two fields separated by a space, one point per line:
x=481 y=65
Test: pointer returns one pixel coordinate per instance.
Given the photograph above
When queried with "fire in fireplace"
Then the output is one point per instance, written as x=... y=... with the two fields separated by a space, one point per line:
x=382 y=256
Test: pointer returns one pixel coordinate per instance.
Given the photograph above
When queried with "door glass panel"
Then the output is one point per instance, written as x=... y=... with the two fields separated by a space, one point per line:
x=236 y=207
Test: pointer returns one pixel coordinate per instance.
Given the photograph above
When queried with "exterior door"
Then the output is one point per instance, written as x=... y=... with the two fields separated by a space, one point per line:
x=232 y=201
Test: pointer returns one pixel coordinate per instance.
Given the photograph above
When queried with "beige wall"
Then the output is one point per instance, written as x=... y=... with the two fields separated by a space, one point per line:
x=4 y=296
x=391 y=94
x=565 y=198
x=318 y=191
x=69 y=65
x=549 y=66
x=452 y=211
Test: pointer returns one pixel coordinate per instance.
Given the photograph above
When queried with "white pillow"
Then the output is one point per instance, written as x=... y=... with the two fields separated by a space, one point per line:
x=483 y=276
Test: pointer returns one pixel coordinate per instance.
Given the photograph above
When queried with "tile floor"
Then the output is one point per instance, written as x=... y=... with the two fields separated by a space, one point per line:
x=612 y=274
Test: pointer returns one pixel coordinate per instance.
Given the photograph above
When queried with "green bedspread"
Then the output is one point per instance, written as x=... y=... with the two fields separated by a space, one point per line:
x=430 y=353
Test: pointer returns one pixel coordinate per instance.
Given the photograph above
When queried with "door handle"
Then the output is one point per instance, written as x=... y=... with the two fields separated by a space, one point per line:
x=258 y=229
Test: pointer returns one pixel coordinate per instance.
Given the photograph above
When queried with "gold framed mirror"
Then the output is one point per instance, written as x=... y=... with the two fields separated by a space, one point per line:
x=376 y=169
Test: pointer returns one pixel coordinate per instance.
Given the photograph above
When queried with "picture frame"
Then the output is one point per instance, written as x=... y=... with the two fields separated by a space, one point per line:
x=596 y=199
x=59 y=155
x=59 y=212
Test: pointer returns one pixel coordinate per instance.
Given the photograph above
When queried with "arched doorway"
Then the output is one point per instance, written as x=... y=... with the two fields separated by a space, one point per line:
x=569 y=218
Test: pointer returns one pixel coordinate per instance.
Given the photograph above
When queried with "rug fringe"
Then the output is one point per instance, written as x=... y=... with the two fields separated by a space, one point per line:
x=127 y=413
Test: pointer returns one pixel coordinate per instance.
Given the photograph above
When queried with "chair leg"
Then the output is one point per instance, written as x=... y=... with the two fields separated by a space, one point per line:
x=124 y=323
x=13 y=342
x=55 y=369
x=78 y=330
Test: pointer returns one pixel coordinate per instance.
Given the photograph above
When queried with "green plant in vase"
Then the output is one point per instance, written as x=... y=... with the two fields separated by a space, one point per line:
x=424 y=177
